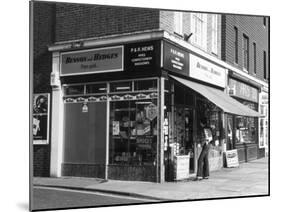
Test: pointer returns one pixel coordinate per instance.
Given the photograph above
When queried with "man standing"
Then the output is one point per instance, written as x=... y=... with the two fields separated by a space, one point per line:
x=203 y=160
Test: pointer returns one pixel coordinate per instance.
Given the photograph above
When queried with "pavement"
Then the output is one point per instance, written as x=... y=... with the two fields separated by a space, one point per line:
x=249 y=179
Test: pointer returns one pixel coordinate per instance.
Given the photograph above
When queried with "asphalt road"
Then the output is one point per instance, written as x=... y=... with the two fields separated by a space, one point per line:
x=55 y=198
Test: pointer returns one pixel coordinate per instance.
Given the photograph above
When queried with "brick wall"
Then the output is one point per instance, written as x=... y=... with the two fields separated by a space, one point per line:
x=251 y=26
x=43 y=35
x=167 y=23
x=77 y=21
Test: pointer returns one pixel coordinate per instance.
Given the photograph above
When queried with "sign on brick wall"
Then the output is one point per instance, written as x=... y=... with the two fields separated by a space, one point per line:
x=108 y=59
x=40 y=123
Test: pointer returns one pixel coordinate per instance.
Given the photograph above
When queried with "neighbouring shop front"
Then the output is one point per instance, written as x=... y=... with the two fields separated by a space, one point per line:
x=243 y=131
x=131 y=111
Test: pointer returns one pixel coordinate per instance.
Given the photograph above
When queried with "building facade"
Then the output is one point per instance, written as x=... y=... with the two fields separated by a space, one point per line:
x=245 y=45
x=125 y=89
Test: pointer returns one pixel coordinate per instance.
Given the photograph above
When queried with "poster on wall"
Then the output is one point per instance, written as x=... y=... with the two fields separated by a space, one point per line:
x=40 y=120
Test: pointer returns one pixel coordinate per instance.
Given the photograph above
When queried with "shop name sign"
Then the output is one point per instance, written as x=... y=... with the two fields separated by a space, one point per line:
x=99 y=60
x=142 y=55
x=175 y=59
x=243 y=90
x=206 y=71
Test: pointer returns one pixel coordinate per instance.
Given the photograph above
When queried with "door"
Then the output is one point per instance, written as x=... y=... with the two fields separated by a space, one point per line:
x=85 y=139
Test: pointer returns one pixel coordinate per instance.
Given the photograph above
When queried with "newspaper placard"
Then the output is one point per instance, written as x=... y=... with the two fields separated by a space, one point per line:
x=232 y=158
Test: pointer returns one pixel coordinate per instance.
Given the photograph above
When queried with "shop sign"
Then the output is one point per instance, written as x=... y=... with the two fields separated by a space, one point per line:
x=151 y=111
x=40 y=123
x=175 y=59
x=243 y=90
x=181 y=167
x=144 y=55
x=99 y=60
x=206 y=71
x=232 y=158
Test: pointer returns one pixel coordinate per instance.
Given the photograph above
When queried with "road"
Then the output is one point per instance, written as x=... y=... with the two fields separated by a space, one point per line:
x=55 y=198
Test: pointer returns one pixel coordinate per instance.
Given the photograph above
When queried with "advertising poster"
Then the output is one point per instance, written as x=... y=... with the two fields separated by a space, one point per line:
x=40 y=125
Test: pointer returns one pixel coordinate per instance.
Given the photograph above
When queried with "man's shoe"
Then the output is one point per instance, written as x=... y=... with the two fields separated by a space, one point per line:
x=199 y=178
x=206 y=178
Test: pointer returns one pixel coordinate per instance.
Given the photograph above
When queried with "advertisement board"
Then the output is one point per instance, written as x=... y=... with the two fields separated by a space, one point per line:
x=40 y=120
x=232 y=158
x=181 y=167
x=99 y=60
x=206 y=71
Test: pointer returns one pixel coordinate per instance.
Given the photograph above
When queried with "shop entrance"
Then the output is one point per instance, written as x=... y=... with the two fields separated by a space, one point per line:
x=179 y=138
x=184 y=145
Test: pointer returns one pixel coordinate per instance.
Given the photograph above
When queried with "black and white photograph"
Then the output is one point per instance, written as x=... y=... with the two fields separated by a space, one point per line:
x=139 y=105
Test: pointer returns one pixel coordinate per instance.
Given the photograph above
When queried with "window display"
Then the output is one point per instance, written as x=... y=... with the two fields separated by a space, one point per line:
x=246 y=127
x=133 y=132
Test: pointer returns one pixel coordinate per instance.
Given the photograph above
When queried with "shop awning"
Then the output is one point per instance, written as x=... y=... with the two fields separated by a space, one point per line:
x=219 y=98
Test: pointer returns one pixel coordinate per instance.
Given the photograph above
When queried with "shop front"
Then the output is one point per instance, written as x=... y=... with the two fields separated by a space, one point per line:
x=243 y=131
x=131 y=111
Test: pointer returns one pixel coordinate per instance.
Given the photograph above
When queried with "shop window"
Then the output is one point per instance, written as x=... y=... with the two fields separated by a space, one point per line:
x=120 y=86
x=246 y=129
x=96 y=88
x=145 y=85
x=133 y=132
x=74 y=90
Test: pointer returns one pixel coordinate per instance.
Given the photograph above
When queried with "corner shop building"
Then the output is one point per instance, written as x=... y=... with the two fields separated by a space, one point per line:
x=128 y=107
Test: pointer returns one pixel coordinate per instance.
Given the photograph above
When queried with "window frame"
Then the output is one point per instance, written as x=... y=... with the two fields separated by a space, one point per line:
x=245 y=53
x=255 y=57
x=264 y=65
x=236 y=45
x=178 y=23
x=214 y=43
x=199 y=30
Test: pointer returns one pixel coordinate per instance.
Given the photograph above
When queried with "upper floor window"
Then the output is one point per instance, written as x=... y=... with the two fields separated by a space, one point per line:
x=255 y=57
x=264 y=65
x=245 y=49
x=264 y=21
x=178 y=19
x=235 y=45
x=199 y=30
x=215 y=34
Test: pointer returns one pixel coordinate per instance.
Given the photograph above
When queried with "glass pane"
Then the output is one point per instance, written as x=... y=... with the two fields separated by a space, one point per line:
x=246 y=129
x=96 y=88
x=75 y=89
x=133 y=132
x=145 y=85
x=120 y=86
